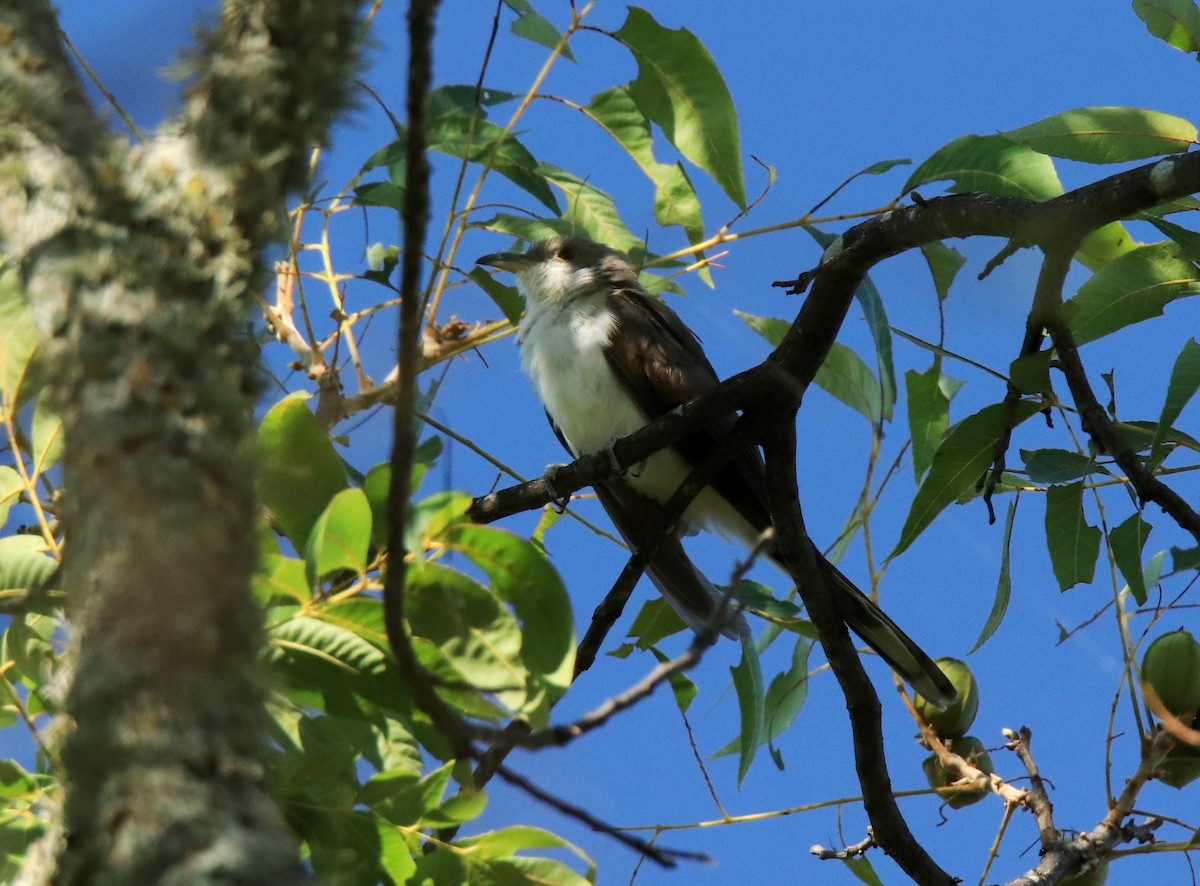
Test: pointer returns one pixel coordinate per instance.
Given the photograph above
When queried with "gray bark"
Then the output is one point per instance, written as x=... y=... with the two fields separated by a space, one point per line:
x=140 y=264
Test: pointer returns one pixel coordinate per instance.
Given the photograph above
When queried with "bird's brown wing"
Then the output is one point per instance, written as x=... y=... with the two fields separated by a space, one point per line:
x=663 y=366
x=660 y=360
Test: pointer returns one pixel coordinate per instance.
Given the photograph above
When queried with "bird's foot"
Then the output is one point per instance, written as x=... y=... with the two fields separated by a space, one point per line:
x=614 y=463
x=561 y=500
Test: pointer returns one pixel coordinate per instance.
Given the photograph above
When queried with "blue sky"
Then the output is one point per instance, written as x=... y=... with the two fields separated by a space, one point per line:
x=822 y=90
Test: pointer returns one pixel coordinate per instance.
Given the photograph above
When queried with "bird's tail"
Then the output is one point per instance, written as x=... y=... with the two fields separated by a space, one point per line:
x=700 y=604
x=893 y=645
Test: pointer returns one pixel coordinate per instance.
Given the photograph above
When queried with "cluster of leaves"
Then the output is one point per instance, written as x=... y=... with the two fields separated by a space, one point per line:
x=370 y=786
x=681 y=96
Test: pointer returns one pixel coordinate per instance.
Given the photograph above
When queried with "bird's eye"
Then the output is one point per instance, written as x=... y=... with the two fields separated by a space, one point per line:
x=566 y=253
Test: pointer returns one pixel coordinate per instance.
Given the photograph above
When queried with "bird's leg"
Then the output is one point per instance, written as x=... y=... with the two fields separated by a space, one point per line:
x=560 y=501
x=610 y=452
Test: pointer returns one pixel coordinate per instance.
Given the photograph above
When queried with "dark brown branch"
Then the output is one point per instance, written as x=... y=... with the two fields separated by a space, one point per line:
x=1095 y=420
x=1047 y=299
x=834 y=281
x=556 y=736
x=666 y=520
x=415 y=216
x=795 y=550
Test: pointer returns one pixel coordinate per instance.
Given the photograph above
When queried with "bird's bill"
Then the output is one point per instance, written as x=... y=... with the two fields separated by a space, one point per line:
x=506 y=261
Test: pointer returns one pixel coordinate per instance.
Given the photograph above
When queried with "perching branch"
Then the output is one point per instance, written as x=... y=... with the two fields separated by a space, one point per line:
x=772 y=391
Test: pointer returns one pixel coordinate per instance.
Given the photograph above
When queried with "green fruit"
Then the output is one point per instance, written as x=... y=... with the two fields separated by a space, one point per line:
x=1094 y=876
x=1182 y=765
x=1180 y=769
x=1172 y=667
x=970 y=749
x=956 y=719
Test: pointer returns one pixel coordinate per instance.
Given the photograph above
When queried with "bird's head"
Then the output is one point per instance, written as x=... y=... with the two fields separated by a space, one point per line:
x=560 y=268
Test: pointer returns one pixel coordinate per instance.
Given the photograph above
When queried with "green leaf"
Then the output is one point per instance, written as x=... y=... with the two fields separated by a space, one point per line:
x=407 y=801
x=1003 y=584
x=441 y=866
x=489 y=144
x=1127 y=542
x=465 y=135
x=748 y=684
x=298 y=471
x=675 y=200
x=381 y=261
x=1107 y=134
x=680 y=88
x=1132 y=288
x=876 y=316
x=849 y=379
x=1072 y=543
x=1185 y=380
x=24 y=563
x=991 y=164
x=310 y=653
x=862 y=869
x=396 y=857
x=591 y=210
x=506 y=298
x=843 y=374
x=1139 y=435
x=520 y=870
x=1104 y=245
x=430 y=518
x=524 y=578
x=18 y=339
x=1188 y=240
x=1031 y=374
x=11 y=485
x=462 y=97
x=47 y=436
x=1177 y=22
x=928 y=414
x=1185 y=558
x=786 y=695
x=957 y=466
x=340 y=537
x=873 y=311
x=525 y=228
x=944 y=264
x=682 y=687
x=377 y=486
x=882 y=166
x=508 y=841
x=280 y=577
x=539 y=30
x=1057 y=465
x=655 y=621
x=387 y=194
x=470 y=625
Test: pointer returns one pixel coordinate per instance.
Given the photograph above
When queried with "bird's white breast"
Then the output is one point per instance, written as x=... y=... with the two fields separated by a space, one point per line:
x=562 y=352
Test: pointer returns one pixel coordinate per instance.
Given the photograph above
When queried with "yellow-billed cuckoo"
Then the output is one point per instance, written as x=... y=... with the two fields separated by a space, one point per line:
x=606 y=358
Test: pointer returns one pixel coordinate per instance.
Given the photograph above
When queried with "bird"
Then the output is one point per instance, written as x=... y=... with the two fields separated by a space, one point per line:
x=606 y=358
